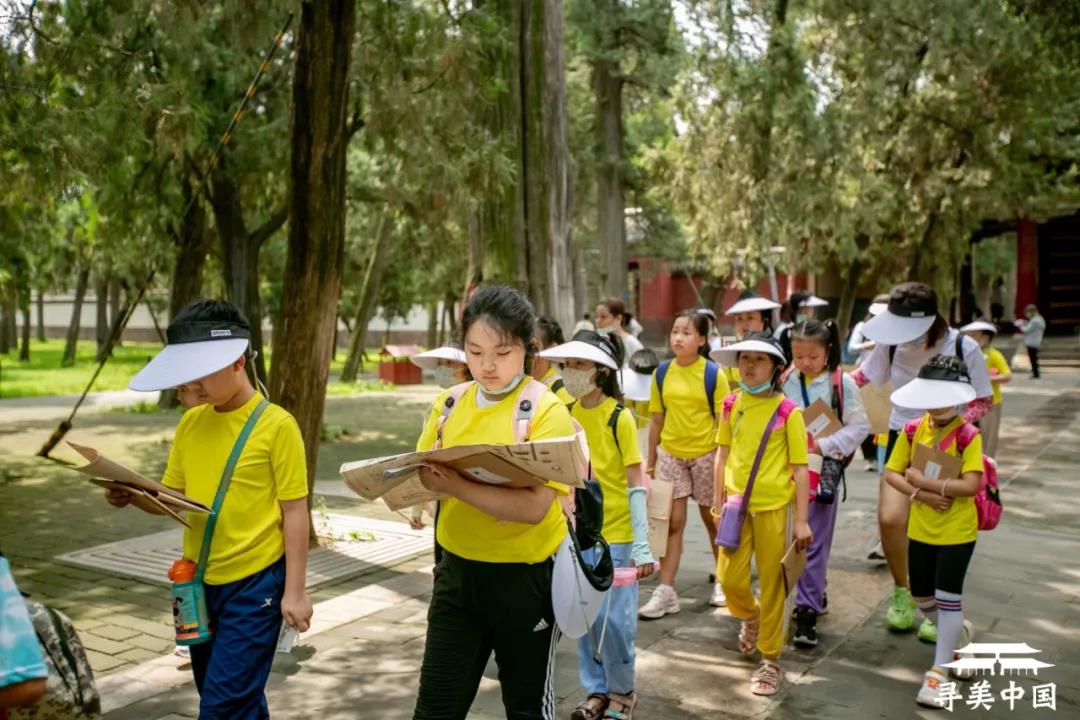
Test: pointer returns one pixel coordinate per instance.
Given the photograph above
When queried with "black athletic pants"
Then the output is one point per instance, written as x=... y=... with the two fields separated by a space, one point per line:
x=1033 y=355
x=937 y=567
x=478 y=608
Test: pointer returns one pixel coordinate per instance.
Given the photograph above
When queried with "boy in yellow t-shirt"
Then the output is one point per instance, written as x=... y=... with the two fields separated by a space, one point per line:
x=254 y=575
x=590 y=364
x=1000 y=373
x=781 y=484
x=943 y=522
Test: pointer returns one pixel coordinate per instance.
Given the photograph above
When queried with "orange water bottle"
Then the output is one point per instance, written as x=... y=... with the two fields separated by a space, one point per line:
x=190 y=619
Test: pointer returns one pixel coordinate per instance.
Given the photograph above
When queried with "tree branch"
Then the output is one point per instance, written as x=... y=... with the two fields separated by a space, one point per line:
x=263 y=233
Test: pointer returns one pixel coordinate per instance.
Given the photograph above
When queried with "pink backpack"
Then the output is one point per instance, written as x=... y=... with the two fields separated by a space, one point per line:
x=988 y=499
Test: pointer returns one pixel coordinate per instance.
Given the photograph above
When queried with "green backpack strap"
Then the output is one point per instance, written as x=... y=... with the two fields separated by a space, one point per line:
x=223 y=486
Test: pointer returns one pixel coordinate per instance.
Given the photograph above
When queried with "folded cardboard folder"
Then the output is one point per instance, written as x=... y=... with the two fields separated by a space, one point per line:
x=659 y=507
x=821 y=421
x=935 y=464
x=793 y=565
x=877 y=401
x=111 y=474
x=396 y=478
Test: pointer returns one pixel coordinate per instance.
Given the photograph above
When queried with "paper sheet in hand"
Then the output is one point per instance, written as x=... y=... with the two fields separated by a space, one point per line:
x=878 y=406
x=559 y=460
x=821 y=421
x=934 y=464
x=793 y=564
x=659 y=507
x=111 y=474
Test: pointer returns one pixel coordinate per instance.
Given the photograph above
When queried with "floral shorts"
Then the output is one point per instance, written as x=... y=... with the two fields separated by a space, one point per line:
x=691 y=478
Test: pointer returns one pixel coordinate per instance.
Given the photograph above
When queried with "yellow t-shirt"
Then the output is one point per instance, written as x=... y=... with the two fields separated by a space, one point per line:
x=742 y=430
x=996 y=361
x=272 y=469
x=609 y=463
x=426 y=441
x=473 y=534
x=549 y=379
x=733 y=378
x=960 y=523
x=689 y=430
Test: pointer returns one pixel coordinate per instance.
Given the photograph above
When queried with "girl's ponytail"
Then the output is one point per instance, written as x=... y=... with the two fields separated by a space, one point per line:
x=835 y=349
x=606 y=378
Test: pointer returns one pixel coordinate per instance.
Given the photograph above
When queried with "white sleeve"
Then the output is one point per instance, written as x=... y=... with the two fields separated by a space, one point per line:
x=847 y=440
x=876 y=367
x=976 y=365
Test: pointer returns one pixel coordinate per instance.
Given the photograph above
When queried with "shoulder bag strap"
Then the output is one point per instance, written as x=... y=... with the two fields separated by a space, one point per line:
x=223 y=486
x=760 y=454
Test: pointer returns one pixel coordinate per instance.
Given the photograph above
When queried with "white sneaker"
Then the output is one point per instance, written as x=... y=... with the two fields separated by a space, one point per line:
x=663 y=602
x=718 y=599
x=967 y=635
x=930 y=692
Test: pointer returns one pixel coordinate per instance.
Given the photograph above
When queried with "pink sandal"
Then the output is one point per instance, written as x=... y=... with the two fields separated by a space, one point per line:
x=766 y=679
x=748 y=635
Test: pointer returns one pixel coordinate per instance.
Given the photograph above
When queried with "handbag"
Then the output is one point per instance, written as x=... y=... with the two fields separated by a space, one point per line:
x=733 y=513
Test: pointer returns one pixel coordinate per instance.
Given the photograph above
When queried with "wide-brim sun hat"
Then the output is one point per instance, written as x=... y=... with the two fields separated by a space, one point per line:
x=906 y=317
x=877 y=308
x=429 y=359
x=586 y=345
x=634 y=385
x=574 y=600
x=729 y=356
x=814 y=302
x=752 y=304
x=943 y=382
x=980 y=326
x=195 y=349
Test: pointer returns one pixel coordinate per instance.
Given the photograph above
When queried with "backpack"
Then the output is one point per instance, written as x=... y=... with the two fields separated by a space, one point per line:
x=556 y=383
x=587 y=518
x=70 y=693
x=988 y=499
x=711 y=371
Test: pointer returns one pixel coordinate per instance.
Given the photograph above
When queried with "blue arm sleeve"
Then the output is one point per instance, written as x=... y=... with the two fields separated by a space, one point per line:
x=640 y=552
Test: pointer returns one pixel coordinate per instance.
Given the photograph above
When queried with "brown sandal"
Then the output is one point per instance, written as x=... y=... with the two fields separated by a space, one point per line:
x=626 y=703
x=766 y=679
x=748 y=635
x=591 y=709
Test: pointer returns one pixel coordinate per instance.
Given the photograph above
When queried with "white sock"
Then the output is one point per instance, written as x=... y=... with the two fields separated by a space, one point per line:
x=949 y=626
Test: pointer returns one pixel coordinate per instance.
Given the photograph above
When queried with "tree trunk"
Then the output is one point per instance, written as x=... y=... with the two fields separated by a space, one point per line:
x=24 y=306
x=192 y=243
x=101 y=313
x=433 y=324
x=369 y=293
x=71 y=345
x=581 y=283
x=607 y=87
x=41 y=316
x=316 y=230
x=7 y=339
x=116 y=310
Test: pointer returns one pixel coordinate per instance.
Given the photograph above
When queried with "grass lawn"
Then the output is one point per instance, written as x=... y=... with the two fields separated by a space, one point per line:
x=44 y=376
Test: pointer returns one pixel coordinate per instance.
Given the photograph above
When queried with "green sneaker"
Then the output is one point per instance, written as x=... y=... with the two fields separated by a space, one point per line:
x=900 y=617
x=928 y=631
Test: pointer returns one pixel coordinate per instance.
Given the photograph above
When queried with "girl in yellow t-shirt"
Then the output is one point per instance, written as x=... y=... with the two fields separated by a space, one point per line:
x=944 y=521
x=492 y=588
x=997 y=366
x=682 y=443
x=752 y=313
x=781 y=484
x=590 y=366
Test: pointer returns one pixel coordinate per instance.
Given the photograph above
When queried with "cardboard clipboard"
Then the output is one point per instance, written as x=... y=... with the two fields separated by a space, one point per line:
x=935 y=464
x=793 y=564
x=878 y=405
x=821 y=421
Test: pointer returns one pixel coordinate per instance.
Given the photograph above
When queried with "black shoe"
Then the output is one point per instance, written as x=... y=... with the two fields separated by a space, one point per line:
x=805 y=628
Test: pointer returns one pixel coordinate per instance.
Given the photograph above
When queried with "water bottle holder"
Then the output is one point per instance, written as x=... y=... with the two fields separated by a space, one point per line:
x=190 y=617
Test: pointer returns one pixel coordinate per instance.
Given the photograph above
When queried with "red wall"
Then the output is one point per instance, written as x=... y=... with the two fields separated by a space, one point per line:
x=1027 y=265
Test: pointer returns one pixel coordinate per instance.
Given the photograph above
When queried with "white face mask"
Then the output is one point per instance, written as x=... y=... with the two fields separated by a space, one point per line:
x=606 y=330
x=444 y=376
x=508 y=388
x=579 y=383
